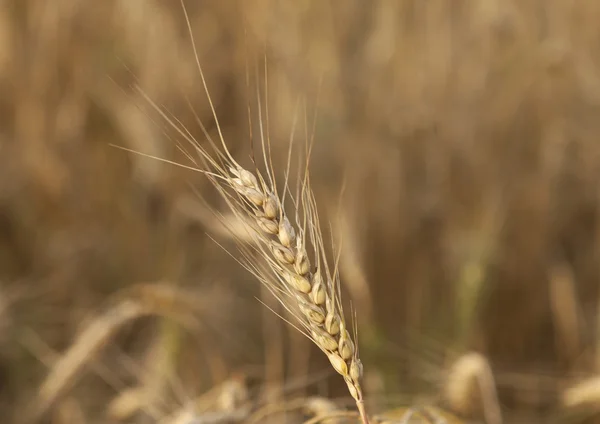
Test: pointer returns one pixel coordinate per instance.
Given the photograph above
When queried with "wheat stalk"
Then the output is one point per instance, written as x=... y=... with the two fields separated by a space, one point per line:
x=310 y=293
x=140 y=300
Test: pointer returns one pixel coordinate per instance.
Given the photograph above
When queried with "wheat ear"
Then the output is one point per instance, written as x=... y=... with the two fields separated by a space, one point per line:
x=311 y=295
x=312 y=292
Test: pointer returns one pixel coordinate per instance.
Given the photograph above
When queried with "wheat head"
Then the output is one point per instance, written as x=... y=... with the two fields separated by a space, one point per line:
x=314 y=291
x=291 y=258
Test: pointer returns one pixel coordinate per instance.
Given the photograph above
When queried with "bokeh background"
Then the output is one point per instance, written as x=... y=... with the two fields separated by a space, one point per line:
x=465 y=134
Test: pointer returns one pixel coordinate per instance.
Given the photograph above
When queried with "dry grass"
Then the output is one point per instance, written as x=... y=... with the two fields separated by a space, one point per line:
x=465 y=137
x=137 y=301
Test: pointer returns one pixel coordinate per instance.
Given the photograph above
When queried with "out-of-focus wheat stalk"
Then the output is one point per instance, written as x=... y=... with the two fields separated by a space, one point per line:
x=288 y=255
x=130 y=304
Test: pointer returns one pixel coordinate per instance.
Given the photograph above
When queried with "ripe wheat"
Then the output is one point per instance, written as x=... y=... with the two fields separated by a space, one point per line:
x=291 y=259
x=315 y=292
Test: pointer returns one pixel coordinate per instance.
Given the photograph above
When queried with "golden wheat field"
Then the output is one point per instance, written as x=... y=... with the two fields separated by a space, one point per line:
x=308 y=211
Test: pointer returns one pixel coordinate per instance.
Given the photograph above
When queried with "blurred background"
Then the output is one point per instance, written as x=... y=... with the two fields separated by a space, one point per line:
x=465 y=135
